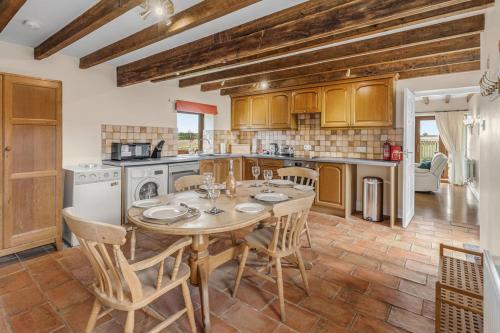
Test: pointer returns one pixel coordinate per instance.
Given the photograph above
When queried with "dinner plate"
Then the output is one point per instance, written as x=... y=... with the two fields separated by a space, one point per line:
x=281 y=182
x=305 y=188
x=271 y=197
x=146 y=203
x=250 y=208
x=166 y=212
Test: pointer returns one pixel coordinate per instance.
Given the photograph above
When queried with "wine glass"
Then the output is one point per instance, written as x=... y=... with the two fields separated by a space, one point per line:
x=255 y=174
x=208 y=178
x=213 y=194
x=268 y=175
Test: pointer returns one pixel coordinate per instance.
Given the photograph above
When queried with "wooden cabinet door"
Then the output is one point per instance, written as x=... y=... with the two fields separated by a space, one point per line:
x=330 y=190
x=32 y=162
x=237 y=168
x=336 y=105
x=221 y=170
x=259 y=111
x=280 y=110
x=270 y=164
x=206 y=166
x=240 y=113
x=247 y=169
x=372 y=103
x=306 y=100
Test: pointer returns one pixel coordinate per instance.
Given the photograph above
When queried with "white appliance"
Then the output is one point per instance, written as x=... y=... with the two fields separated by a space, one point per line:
x=144 y=182
x=95 y=193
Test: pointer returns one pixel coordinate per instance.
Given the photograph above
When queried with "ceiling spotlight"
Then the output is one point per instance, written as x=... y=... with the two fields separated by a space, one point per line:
x=159 y=11
x=264 y=84
x=161 y=8
x=33 y=25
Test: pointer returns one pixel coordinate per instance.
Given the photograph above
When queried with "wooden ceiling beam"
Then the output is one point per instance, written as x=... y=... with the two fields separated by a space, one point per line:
x=439 y=31
x=412 y=51
x=455 y=9
x=372 y=70
x=9 y=8
x=339 y=19
x=194 y=16
x=439 y=70
x=98 y=15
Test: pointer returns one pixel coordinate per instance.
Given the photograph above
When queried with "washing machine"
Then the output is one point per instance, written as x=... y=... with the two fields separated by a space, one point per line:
x=145 y=182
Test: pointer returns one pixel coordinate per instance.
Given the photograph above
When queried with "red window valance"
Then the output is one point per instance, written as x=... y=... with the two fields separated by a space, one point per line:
x=193 y=107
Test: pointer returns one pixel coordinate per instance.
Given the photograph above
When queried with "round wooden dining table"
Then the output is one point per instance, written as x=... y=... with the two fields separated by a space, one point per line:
x=200 y=229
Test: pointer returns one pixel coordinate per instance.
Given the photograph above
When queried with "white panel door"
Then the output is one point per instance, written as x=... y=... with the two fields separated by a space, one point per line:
x=409 y=158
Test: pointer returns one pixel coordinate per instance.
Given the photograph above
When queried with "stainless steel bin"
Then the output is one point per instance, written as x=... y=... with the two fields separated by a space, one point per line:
x=373 y=199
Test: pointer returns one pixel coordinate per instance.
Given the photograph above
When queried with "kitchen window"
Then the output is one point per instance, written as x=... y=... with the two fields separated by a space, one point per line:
x=189 y=132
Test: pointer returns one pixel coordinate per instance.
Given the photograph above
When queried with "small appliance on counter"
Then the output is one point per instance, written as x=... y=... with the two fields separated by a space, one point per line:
x=157 y=151
x=130 y=151
x=273 y=148
x=286 y=150
x=94 y=192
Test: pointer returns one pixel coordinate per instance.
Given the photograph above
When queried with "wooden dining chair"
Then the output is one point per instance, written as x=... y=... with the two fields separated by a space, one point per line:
x=188 y=183
x=127 y=287
x=301 y=176
x=278 y=241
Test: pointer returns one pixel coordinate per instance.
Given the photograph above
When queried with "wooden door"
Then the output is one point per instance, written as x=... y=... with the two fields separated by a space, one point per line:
x=32 y=162
x=306 y=100
x=330 y=189
x=270 y=164
x=279 y=110
x=259 y=110
x=372 y=103
x=240 y=113
x=336 y=105
x=248 y=164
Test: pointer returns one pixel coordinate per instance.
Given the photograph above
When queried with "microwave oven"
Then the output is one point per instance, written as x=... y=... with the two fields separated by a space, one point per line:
x=129 y=151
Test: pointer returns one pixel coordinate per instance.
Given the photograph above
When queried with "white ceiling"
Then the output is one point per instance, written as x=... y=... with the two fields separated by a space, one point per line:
x=52 y=15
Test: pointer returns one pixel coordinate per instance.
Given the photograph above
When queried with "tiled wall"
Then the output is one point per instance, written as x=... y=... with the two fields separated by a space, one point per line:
x=217 y=137
x=130 y=134
x=354 y=143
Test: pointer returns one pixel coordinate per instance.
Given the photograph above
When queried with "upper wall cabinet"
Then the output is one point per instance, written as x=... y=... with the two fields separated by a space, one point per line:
x=279 y=110
x=306 y=100
x=240 y=113
x=372 y=103
x=259 y=111
x=267 y=111
x=336 y=101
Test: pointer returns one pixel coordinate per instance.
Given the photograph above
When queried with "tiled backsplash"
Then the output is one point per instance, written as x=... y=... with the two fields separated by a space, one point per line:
x=130 y=134
x=217 y=137
x=354 y=143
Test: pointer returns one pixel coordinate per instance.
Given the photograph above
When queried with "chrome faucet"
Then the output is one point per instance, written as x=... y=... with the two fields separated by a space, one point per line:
x=209 y=143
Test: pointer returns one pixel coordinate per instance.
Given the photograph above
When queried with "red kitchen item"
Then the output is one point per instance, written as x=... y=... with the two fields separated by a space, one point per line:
x=387 y=150
x=396 y=153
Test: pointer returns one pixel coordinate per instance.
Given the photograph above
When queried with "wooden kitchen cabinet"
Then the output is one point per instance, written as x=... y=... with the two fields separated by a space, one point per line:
x=280 y=115
x=240 y=113
x=206 y=166
x=259 y=111
x=270 y=164
x=330 y=189
x=372 y=103
x=220 y=168
x=306 y=100
x=32 y=163
x=247 y=168
x=336 y=102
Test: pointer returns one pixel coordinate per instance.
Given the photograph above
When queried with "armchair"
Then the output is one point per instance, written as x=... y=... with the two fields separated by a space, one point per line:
x=428 y=180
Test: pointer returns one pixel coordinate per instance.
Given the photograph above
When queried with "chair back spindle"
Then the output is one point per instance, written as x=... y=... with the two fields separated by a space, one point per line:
x=298 y=175
x=188 y=183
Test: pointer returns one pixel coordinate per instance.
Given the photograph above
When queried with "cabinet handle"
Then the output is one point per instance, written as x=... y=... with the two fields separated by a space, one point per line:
x=8 y=149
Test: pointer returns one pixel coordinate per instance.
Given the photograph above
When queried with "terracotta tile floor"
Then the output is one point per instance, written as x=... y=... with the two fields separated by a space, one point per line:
x=365 y=278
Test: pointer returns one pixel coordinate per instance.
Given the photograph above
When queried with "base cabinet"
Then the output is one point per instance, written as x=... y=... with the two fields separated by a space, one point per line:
x=270 y=164
x=220 y=168
x=247 y=169
x=32 y=163
x=330 y=189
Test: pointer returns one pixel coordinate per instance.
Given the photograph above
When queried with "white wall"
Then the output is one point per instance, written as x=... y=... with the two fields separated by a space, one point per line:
x=473 y=144
x=91 y=98
x=490 y=140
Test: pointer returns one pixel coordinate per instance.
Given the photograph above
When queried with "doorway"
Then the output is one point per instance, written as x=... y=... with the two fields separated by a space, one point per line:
x=445 y=203
x=428 y=142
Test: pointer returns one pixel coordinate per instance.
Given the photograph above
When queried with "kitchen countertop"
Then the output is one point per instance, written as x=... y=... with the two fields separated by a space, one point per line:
x=195 y=158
